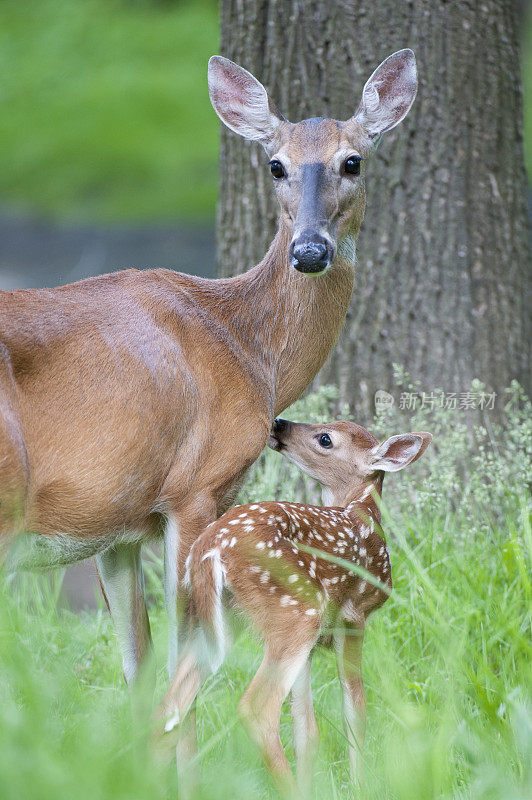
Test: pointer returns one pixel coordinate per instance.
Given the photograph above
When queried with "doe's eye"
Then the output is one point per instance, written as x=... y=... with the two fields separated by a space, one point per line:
x=325 y=440
x=277 y=169
x=352 y=165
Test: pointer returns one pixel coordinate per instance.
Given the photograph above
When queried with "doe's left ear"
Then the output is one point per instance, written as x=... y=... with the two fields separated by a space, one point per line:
x=388 y=94
x=397 y=452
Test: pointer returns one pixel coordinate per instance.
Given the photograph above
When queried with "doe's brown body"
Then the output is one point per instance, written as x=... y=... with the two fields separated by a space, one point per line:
x=142 y=393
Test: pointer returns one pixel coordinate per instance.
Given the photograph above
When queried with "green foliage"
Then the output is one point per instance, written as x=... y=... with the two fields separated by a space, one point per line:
x=473 y=475
x=447 y=660
x=105 y=113
x=105 y=110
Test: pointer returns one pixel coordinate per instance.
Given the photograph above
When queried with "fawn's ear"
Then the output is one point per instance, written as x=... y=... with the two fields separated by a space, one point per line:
x=240 y=101
x=427 y=439
x=396 y=452
x=388 y=95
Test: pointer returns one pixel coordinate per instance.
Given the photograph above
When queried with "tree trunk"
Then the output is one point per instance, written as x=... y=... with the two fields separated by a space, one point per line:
x=444 y=253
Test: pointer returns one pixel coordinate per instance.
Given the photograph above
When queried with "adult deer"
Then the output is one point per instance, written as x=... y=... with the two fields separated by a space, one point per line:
x=133 y=402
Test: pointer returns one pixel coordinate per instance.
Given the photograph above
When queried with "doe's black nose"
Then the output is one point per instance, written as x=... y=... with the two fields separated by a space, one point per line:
x=309 y=256
x=310 y=252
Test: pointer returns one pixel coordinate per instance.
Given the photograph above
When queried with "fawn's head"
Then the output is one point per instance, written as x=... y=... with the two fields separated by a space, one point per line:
x=318 y=165
x=344 y=457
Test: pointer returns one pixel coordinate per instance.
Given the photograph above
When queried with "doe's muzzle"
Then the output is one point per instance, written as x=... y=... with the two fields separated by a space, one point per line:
x=310 y=254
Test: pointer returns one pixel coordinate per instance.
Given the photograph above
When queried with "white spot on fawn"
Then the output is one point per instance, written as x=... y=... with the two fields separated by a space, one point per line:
x=285 y=600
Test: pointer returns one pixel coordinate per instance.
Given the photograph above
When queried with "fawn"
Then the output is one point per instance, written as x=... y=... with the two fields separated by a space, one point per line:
x=279 y=562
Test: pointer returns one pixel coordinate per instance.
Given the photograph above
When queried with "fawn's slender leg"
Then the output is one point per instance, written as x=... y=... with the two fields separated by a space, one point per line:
x=306 y=733
x=260 y=710
x=348 y=645
x=182 y=692
x=122 y=580
x=176 y=733
x=183 y=527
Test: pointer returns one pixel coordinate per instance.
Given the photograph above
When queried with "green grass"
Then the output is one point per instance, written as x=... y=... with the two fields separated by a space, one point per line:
x=105 y=110
x=447 y=660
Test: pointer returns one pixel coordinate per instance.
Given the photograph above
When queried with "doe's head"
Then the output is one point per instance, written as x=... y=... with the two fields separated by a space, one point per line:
x=345 y=457
x=318 y=164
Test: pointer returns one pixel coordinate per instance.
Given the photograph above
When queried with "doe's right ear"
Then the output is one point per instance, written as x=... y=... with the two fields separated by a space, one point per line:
x=241 y=101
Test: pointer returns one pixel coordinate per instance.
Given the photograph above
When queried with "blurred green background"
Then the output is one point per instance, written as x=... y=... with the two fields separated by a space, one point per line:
x=105 y=110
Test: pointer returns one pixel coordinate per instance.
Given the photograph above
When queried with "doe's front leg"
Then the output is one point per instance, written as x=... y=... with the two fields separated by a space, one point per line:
x=183 y=526
x=122 y=582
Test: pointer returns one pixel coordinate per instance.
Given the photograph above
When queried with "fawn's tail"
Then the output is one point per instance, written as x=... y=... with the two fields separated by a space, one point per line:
x=205 y=578
x=204 y=639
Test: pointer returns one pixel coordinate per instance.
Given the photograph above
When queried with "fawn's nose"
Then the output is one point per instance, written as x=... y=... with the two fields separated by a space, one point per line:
x=279 y=425
x=277 y=433
x=311 y=255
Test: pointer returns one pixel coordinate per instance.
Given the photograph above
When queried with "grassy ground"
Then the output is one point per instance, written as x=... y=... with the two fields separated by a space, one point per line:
x=105 y=110
x=447 y=663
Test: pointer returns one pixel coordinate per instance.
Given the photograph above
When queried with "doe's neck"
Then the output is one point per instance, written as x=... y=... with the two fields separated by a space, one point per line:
x=301 y=315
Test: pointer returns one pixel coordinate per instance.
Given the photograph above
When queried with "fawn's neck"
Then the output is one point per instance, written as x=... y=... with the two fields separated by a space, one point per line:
x=361 y=500
x=300 y=315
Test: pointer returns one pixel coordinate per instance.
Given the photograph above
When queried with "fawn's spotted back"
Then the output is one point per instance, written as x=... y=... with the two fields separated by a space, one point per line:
x=264 y=557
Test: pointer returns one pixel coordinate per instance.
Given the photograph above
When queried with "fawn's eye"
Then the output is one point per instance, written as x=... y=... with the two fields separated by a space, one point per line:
x=325 y=440
x=352 y=165
x=277 y=169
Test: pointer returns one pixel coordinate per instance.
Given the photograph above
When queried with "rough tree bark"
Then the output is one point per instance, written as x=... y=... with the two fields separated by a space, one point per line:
x=443 y=277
